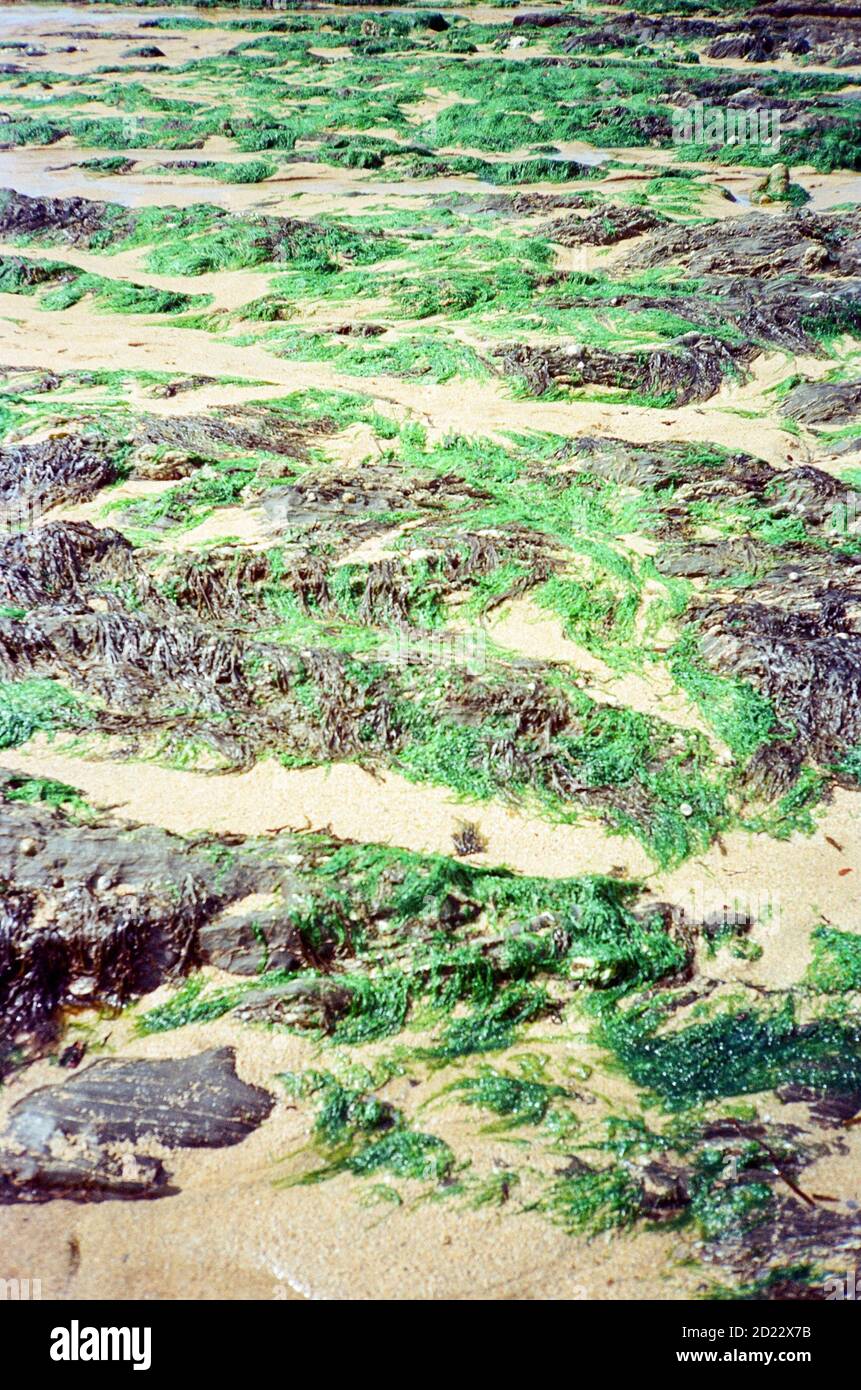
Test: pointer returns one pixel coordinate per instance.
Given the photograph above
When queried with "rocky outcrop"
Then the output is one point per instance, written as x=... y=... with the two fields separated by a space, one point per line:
x=89 y=1137
x=823 y=402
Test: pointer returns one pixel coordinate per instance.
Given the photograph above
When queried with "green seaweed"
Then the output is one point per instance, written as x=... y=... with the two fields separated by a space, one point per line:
x=836 y=964
x=739 y=1052
x=29 y=707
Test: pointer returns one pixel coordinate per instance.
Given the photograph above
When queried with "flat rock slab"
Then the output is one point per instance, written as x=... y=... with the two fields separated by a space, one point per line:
x=821 y=402
x=188 y=1102
x=80 y=1177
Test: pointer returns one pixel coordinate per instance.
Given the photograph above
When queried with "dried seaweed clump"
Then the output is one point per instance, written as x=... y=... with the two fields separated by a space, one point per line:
x=63 y=468
x=692 y=369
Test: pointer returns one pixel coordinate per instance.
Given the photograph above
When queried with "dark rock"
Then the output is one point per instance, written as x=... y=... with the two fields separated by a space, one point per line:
x=163 y=465
x=73 y=220
x=756 y=48
x=145 y=50
x=710 y=559
x=78 y=1140
x=73 y=1055
x=839 y=447
x=823 y=402
x=250 y=943
x=544 y=19
x=99 y=912
x=748 y=96
x=27 y=1177
x=95 y=947
x=757 y=245
x=665 y=1190
x=188 y=1102
x=812 y=495
x=603 y=228
x=360 y=330
x=182 y=384
x=329 y=498
x=300 y=1003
